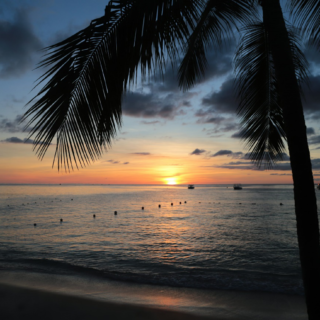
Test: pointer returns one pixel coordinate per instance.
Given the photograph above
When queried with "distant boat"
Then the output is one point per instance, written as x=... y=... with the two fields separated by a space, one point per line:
x=237 y=187
x=190 y=186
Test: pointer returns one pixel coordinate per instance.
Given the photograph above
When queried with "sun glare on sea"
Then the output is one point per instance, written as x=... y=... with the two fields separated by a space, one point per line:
x=171 y=181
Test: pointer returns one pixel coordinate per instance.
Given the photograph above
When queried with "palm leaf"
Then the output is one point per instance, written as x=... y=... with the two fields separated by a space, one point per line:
x=80 y=102
x=259 y=99
x=216 y=23
x=306 y=14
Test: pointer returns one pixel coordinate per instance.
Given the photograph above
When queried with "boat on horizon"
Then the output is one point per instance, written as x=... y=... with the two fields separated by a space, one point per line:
x=190 y=186
x=237 y=187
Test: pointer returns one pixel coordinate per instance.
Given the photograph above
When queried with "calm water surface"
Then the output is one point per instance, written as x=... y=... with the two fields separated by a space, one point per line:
x=220 y=238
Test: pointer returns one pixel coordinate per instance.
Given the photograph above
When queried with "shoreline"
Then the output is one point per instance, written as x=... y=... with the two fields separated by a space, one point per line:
x=24 y=303
x=37 y=295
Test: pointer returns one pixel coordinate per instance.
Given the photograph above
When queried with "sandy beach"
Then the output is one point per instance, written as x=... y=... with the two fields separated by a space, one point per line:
x=43 y=296
x=22 y=303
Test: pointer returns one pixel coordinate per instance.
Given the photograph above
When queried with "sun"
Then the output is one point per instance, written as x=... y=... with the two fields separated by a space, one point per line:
x=171 y=181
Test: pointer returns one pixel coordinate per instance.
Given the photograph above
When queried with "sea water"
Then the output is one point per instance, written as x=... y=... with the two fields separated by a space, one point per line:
x=212 y=237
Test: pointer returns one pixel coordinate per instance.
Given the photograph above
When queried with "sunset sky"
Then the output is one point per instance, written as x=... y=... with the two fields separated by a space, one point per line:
x=167 y=136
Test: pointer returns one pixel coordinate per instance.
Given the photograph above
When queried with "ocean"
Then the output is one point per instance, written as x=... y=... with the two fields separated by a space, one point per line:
x=212 y=237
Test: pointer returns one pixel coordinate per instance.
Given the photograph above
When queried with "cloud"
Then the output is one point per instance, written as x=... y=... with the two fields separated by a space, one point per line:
x=17 y=140
x=137 y=104
x=280 y=166
x=18 y=44
x=219 y=64
x=311 y=103
x=222 y=153
x=197 y=152
x=142 y=153
x=112 y=161
x=115 y=162
x=314 y=139
x=312 y=55
x=222 y=101
x=12 y=126
x=237 y=135
x=310 y=131
x=150 y=122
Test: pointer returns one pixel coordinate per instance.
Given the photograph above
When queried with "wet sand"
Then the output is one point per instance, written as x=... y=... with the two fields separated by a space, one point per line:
x=47 y=296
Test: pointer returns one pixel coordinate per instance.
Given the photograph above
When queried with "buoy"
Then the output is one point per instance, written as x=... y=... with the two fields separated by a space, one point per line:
x=171 y=203
x=185 y=202
x=142 y=208
x=180 y=202
x=281 y=204
x=115 y=213
x=35 y=224
x=94 y=215
x=71 y=199
x=159 y=205
x=61 y=220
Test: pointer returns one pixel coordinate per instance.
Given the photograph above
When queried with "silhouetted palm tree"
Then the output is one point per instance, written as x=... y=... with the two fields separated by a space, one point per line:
x=90 y=71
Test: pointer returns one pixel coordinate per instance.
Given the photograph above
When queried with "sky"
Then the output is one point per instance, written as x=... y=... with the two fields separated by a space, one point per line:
x=167 y=136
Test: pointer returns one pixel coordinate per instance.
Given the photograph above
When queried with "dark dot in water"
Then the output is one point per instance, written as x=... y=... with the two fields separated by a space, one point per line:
x=35 y=224
x=180 y=202
x=115 y=212
x=61 y=220
x=159 y=205
x=94 y=215
x=240 y=203
x=281 y=204
x=172 y=204
x=185 y=202
x=142 y=208
x=71 y=199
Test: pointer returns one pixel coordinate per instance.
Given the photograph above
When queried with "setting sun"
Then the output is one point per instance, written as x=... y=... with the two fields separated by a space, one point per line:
x=171 y=180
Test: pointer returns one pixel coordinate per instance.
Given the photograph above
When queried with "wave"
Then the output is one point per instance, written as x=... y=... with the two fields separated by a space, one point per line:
x=222 y=279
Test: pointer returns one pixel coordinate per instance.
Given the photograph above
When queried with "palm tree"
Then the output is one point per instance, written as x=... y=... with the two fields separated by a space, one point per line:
x=90 y=72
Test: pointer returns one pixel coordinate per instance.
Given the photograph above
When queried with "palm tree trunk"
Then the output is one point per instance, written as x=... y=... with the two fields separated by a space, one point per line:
x=304 y=192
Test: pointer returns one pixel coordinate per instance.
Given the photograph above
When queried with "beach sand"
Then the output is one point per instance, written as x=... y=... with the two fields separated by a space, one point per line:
x=22 y=303
x=45 y=296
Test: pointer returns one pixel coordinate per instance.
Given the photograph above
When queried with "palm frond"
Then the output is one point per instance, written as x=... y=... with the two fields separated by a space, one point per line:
x=80 y=102
x=259 y=99
x=306 y=14
x=215 y=24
